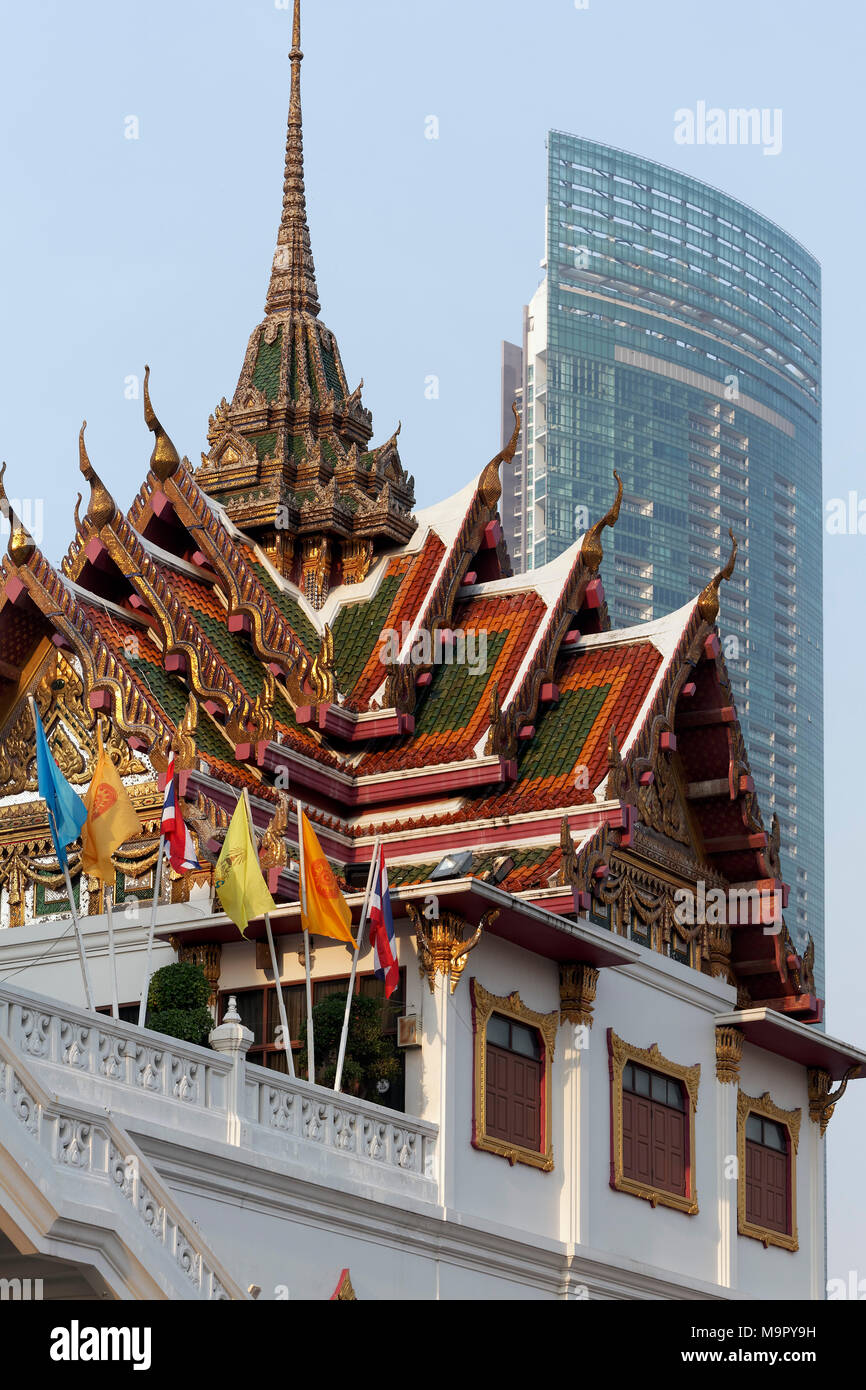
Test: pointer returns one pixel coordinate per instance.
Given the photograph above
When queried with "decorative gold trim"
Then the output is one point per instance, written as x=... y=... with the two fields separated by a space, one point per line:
x=208 y=955
x=490 y=484
x=344 y=1292
x=322 y=678
x=21 y=545
x=591 y=552
x=568 y=852
x=729 y=1054
x=790 y=1119
x=165 y=460
x=511 y=1006
x=273 y=849
x=823 y=1100
x=718 y=952
x=442 y=948
x=708 y=600
x=102 y=506
x=622 y=1052
x=577 y=985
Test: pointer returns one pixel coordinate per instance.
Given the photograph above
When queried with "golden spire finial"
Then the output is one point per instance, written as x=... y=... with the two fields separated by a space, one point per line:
x=591 y=551
x=708 y=600
x=490 y=487
x=165 y=459
x=102 y=507
x=21 y=544
x=293 y=275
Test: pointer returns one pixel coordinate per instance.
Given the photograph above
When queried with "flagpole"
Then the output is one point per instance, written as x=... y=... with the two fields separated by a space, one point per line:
x=85 y=973
x=281 y=1003
x=79 y=939
x=112 y=959
x=345 y=1033
x=311 y=1050
x=157 y=894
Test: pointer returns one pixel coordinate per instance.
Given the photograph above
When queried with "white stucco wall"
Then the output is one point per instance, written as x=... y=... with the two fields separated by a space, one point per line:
x=495 y=1230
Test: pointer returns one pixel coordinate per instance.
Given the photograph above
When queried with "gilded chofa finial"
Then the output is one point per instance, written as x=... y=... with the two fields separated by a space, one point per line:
x=293 y=276
x=183 y=742
x=591 y=552
x=165 y=459
x=101 y=508
x=21 y=544
x=708 y=601
x=490 y=487
x=273 y=850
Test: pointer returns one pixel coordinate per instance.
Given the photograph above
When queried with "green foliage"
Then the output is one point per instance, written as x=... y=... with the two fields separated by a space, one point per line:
x=178 y=986
x=190 y=1025
x=177 y=1003
x=371 y=1056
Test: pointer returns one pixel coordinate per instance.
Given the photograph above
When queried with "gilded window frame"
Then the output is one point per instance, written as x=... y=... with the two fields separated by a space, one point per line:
x=789 y=1120
x=484 y=1004
x=620 y=1053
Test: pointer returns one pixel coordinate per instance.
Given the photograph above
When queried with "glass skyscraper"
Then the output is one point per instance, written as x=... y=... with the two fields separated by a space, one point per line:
x=676 y=338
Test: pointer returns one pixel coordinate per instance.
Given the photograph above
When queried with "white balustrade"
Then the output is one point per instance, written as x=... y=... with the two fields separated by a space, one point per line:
x=216 y=1094
x=93 y=1144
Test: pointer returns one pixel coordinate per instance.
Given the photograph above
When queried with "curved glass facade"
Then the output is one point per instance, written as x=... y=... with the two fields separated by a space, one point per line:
x=676 y=338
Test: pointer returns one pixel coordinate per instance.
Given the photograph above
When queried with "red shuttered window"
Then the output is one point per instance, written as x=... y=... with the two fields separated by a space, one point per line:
x=654 y=1142
x=514 y=1081
x=768 y=1171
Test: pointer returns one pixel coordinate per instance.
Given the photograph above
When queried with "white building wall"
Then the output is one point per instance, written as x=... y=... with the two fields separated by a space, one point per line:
x=491 y=1230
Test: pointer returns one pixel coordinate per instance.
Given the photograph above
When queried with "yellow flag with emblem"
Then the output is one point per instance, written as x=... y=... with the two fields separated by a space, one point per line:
x=111 y=817
x=324 y=910
x=238 y=879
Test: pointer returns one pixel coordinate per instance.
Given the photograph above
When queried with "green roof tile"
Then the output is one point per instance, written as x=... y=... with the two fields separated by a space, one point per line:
x=173 y=695
x=266 y=373
x=266 y=444
x=558 y=742
x=290 y=608
x=456 y=690
x=357 y=628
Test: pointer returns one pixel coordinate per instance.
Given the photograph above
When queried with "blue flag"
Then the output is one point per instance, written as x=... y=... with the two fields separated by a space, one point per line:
x=66 y=811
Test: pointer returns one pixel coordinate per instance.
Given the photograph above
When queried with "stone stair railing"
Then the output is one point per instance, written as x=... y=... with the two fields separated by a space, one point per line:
x=214 y=1094
x=121 y=1189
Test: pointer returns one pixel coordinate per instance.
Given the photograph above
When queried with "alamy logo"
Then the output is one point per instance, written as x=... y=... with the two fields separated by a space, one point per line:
x=738 y=125
x=30 y=512
x=453 y=647
x=77 y=1343
x=758 y=906
x=21 y=1290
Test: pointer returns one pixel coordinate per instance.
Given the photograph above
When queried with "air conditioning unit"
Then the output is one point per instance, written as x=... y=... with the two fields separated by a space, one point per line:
x=409 y=1031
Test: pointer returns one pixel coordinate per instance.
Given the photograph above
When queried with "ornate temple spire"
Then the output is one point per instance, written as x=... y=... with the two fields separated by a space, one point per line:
x=293 y=276
x=290 y=456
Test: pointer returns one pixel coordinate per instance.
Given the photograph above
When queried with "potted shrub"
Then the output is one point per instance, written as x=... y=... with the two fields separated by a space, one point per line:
x=371 y=1056
x=177 y=1003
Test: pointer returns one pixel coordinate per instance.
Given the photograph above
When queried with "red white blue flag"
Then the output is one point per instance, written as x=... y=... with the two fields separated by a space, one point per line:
x=381 y=921
x=180 y=846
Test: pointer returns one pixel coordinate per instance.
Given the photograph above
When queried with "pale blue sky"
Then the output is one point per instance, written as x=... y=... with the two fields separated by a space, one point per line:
x=115 y=252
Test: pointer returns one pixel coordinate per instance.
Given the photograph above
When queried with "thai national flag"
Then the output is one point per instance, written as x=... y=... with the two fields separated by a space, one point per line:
x=382 y=928
x=180 y=846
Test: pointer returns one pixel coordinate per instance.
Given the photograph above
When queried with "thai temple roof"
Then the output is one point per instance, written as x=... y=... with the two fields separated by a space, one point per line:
x=286 y=621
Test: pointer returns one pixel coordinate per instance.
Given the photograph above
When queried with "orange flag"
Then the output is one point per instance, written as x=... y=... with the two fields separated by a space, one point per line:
x=324 y=910
x=111 y=817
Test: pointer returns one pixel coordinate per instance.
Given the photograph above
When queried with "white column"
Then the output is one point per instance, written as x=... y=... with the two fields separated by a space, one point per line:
x=573 y=1045
x=815 y=1154
x=234 y=1040
x=727 y=1181
x=443 y=1011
